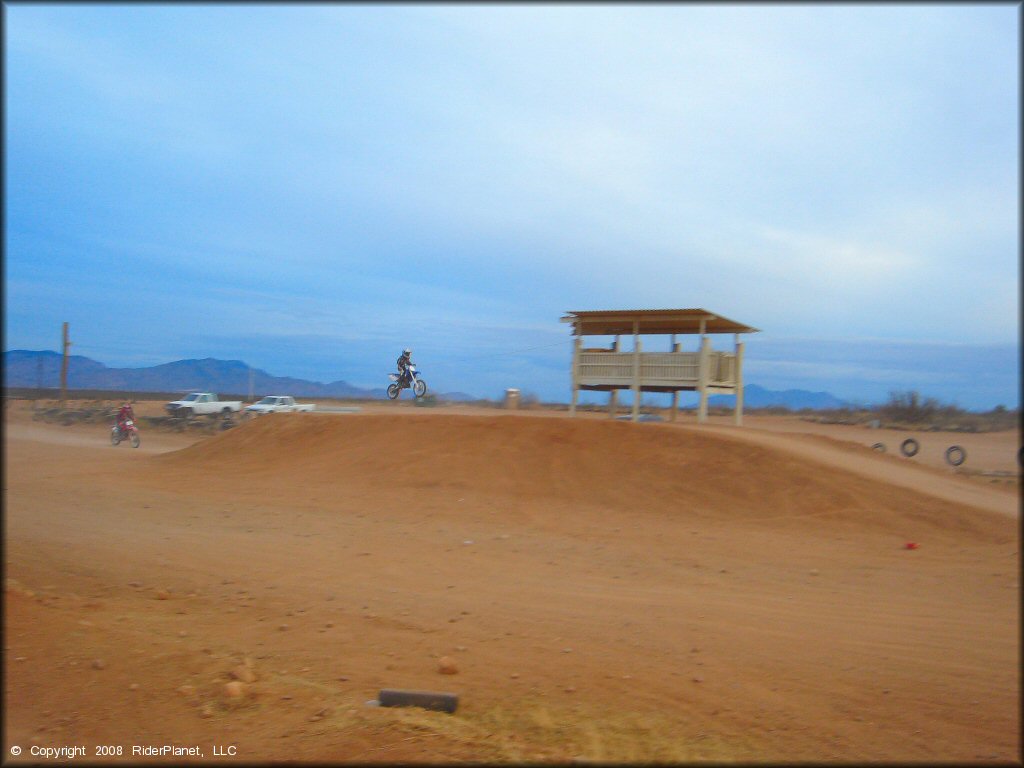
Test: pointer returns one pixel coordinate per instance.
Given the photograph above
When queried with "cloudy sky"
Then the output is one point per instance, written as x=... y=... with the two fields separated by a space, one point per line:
x=311 y=188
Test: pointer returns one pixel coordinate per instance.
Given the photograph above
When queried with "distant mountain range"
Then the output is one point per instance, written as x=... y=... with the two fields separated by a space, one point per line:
x=794 y=399
x=24 y=368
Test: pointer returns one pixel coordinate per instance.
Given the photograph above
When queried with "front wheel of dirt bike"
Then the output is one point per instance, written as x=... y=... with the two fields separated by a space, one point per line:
x=393 y=390
x=419 y=388
x=135 y=440
x=115 y=437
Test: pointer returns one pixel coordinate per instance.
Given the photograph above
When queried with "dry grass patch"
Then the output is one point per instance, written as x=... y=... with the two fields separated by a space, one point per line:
x=539 y=731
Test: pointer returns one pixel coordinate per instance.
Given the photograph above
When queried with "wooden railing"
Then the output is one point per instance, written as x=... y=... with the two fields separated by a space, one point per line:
x=722 y=369
x=657 y=369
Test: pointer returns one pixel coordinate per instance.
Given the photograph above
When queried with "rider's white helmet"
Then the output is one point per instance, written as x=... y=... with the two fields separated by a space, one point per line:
x=406 y=351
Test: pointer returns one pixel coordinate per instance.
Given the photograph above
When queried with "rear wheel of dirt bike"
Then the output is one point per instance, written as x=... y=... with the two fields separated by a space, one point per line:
x=135 y=440
x=393 y=390
x=909 y=447
x=419 y=388
x=115 y=437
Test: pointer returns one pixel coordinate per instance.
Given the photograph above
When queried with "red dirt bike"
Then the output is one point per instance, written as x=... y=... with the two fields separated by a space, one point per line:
x=126 y=432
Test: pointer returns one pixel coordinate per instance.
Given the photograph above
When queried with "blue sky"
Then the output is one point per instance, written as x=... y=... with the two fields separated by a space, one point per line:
x=311 y=188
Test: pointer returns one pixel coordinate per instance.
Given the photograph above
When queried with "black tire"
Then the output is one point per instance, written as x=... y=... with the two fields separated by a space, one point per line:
x=135 y=439
x=393 y=390
x=956 y=455
x=909 y=447
x=419 y=388
x=115 y=437
x=880 y=447
x=441 y=702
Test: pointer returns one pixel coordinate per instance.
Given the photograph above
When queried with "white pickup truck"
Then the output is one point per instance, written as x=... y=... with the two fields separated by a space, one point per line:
x=278 y=404
x=202 y=404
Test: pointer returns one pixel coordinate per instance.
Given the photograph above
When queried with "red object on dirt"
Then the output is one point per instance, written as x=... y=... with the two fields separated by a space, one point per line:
x=911 y=545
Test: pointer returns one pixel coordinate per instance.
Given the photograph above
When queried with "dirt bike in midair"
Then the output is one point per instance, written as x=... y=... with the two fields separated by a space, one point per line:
x=409 y=380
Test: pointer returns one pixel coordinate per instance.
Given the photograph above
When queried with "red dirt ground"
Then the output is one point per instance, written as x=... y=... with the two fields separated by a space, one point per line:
x=607 y=591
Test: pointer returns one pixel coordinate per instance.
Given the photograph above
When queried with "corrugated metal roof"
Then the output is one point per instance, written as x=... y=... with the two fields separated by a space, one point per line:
x=615 y=322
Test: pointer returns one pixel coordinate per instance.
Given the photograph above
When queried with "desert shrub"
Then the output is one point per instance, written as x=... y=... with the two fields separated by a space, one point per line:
x=529 y=400
x=911 y=408
x=771 y=410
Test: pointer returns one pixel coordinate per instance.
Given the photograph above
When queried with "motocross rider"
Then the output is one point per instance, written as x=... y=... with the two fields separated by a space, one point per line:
x=123 y=415
x=403 y=364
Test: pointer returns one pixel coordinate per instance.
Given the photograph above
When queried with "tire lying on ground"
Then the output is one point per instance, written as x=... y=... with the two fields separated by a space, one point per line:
x=441 y=702
x=956 y=455
x=880 y=447
x=909 y=447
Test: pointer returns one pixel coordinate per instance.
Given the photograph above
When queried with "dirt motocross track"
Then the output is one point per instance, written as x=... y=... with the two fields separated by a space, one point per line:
x=603 y=590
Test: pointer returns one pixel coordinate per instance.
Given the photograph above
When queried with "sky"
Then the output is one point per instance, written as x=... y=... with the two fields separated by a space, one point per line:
x=311 y=188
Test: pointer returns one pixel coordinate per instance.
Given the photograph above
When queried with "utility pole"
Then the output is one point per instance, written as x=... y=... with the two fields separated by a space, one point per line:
x=39 y=383
x=64 y=369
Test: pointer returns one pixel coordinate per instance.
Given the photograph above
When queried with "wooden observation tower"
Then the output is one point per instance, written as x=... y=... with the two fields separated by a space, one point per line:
x=706 y=371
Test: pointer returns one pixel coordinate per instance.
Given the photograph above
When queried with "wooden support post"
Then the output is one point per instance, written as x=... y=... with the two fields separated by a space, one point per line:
x=738 y=413
x=705 y=373
x=636 y=370
x=575 y=374
x=675 y=392
x=64 y=368
x=613 y=400
x=702 y=382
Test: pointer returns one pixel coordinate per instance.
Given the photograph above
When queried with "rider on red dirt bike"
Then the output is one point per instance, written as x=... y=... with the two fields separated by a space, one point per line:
x=124 y=415
x=125 y=428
